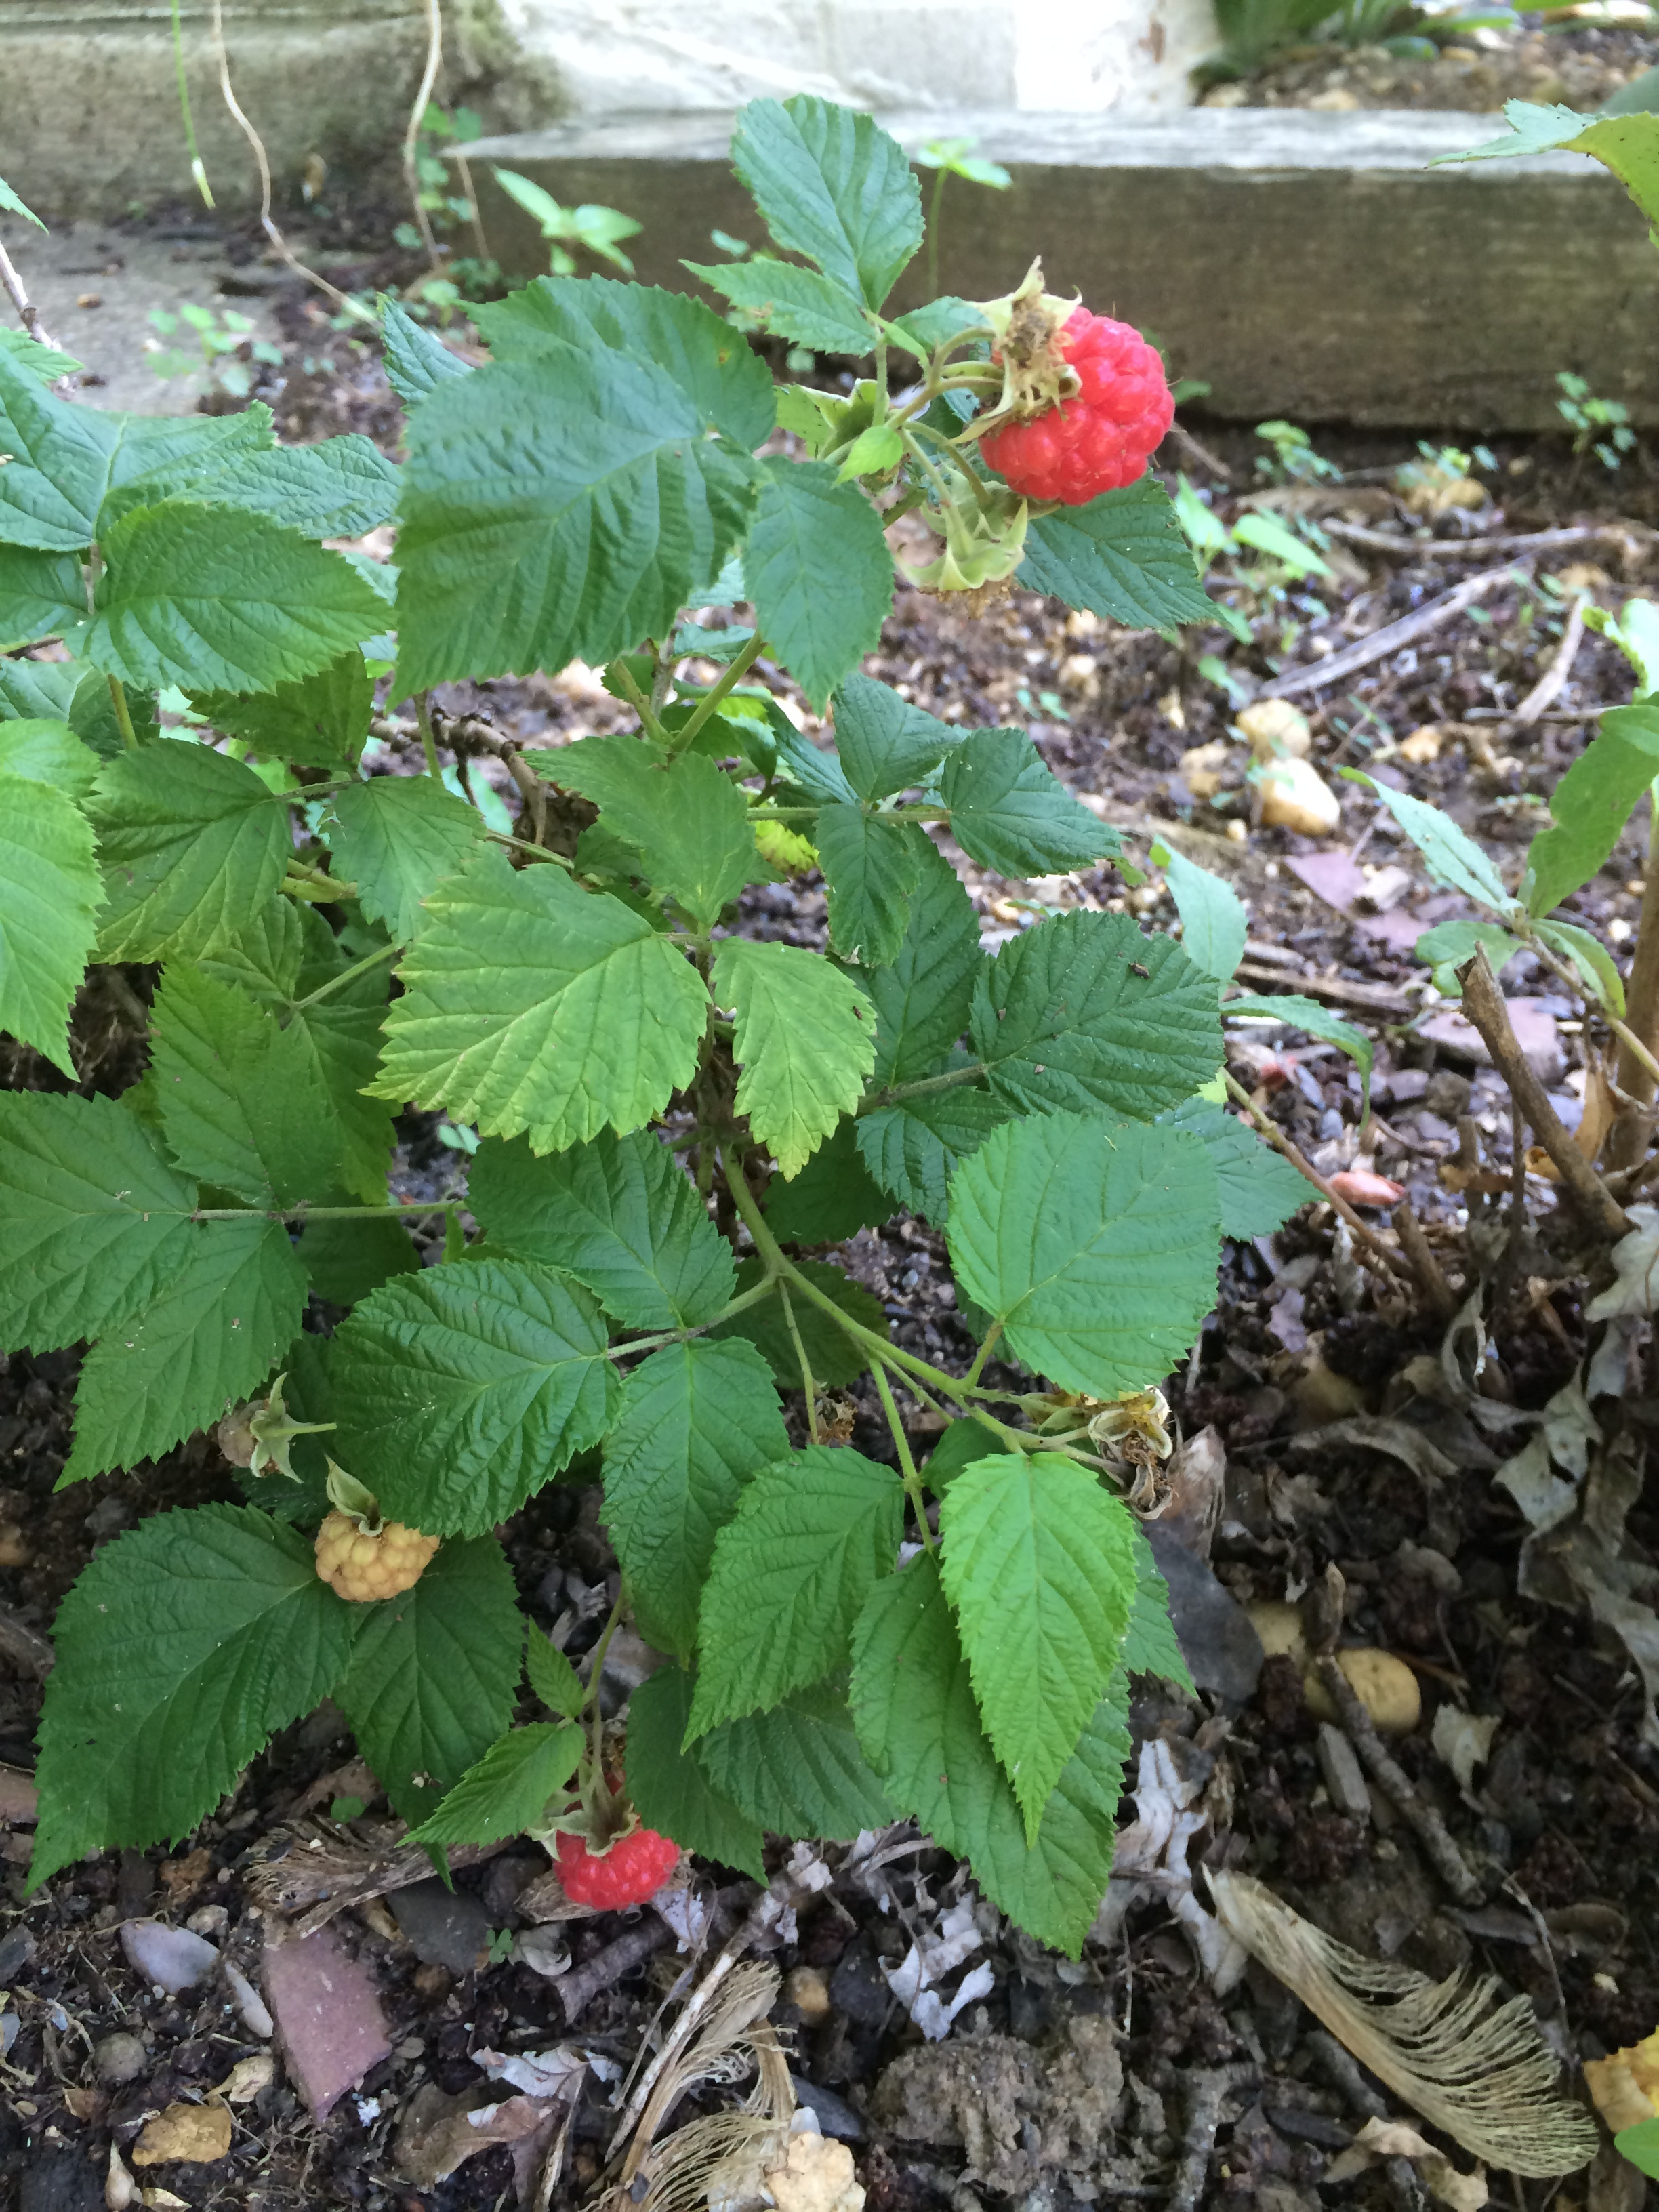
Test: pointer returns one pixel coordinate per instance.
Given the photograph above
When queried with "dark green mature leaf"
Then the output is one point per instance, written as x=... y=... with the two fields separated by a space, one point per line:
x=1150 y=1643
x=557 y=509
x=506 y=1792
x=92 y=712
x=1260 y=1189
x=219 y=599
x=340 y=486
x=318 y=720
x=434 y=1674
x=397 y=838
x=1084 y=1010
x=812 y=768
x=620 y=1214
x=1591 y=804
x=872 y=865
x=960 y=1446
x=914 y=1704
x=885 y=744
x=1011 y=813
x=552 y=1678
x=834 y=1357
x=690 y=822
x=92 y=1219
x=343 y=1043
x=833 y=186
x=805 y=1041
x=696 y=1420
x=212 y=1336
x=531 y=1005
x=923 y=996
x=193 y=845
x=711 y=363
x=345 y=1260
x=1039 y=1565
x=416 y=360
x=41 y=595
x=241 y=1103
x=794 y=303
x=797 y=1770
x=811 y=1536
x=1095 y=1246
x=1451 y=857
x=465 y=1388
x=671 y=1786
x=913 y=1149
x=1123 y=555
x=53 y=891
x=833 y=1196
x=1316 y=1021
x=207 y=1629
x=809 y=527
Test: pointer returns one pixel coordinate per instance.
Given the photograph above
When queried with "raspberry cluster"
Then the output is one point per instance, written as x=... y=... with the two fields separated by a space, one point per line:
x=1103 y=438
x=361 y=1567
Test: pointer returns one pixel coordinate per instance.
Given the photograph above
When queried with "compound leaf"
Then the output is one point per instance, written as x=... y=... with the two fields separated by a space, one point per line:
x=688 y=820
x=1259 y=1189
x=44 y=749
x=923 y=996
x=552 y=1677
x=834 y=187
x=805 y=1041
x=671 y=1786
x=1011 y=813
x=397 y=838
x=52 y=894
x=1121 y=556
x=506 y=1792
x=885 y=744
x=794 y=303
x=913 y=1149
x=834 y=1196
x=343 y=1046
x=797 y=1770
x=41 y=595
x=416 y=360
x=340 y=486
x=809 y=527
x=872 y=865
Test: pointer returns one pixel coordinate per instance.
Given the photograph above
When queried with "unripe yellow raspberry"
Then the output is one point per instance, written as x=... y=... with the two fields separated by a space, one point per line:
x=363 y=1568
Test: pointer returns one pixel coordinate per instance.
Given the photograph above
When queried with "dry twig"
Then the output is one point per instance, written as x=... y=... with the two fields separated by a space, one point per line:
x=434 y=54
x=28 y=313
x=1429 y=1275
x=1460 y=549
x=1431 y=1832
x=1549 y=686
x=1206 y=2093
x=1390 y=638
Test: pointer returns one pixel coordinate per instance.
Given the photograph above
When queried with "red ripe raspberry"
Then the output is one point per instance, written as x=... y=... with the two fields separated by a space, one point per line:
x=1103 y=438
x=634 y=1868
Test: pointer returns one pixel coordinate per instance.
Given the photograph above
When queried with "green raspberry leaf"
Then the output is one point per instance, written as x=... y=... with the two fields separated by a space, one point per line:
x=465 y=1388
x=416 y=360
x=1260 y=1189
x=193 y=845
x=923 y=996
x=833 y=186
x=872 y=865
x=620 y=1214
x=1095 y=1246
x=1121 y=556
x=887 y=745
x=211 y=1337
x=696 y=1420
x=41 y=595
x=341 y=1045
x=1011 y=813
x=672 y=1788
x=797 y=1770
x=530 y=1005
x=506 y=1792
x=552 y=1677
x=1039 y=1563
x=1083 y=1010
x=688 y=820
x=398 y=837
x=1150 y=1643
x=434 y=1674
x=792 y=302
x=52 y=894
x=208 y=1628
x=915 y=1148
x=805 y=1041
x=45 y=749
x=345 y=1260
x=833 y=1197
x=811 y=1536
x=341 y=487
x=809 y=527
x=914 y=1704
x=834 y=1359
x=318 y=720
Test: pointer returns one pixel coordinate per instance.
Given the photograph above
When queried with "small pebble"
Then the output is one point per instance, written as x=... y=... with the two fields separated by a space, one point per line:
x=1339 y=1763
x=117 y=2058
x=806 y=1990
x=251 y=2005
x=171 y=1959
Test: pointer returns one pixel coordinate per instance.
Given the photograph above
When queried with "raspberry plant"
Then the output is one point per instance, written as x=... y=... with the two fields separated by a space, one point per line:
x=666 y=1113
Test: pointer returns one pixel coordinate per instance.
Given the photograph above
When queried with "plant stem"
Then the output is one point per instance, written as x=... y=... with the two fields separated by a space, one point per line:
x=993 y=1336
x=346 y=975
x=1633 y=1046
x=402 y=1210
x=536 y=852
x=637 y=700
x=711 y=698
x=434 y=49
x=1394 y=1263
x=429 y=743
x=806 y=1381
x=872 y=1100
x=907 y=1474
x=197 y=167
x=1641 y=1007
x=122 y=715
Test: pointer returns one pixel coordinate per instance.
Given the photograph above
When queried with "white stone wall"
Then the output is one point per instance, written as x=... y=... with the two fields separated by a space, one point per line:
x=1073 y=56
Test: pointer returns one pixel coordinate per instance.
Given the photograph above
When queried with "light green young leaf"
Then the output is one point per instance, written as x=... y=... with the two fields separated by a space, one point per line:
x=794 y=303
x=10 y=205
x=872 y=865
x=696 y=1420
x=619 y=1214
x=41 y=595
x=1626 y=144
x=832 y=186
x=1095 y=1247
x=1214 y=927
x=689 y=821
x=834 y=1357
x=530 y=1005
x=43 y=362
x=833 y=1197
x=1450 y=944
x=508 y=1791
x=1123 y=555
x=811 y=1536
x=1452 y=859
x=1011 y=813
x=914 y=1705
x=1083 y=1010
x=45 y=750
x=808 y=526
x=885 y=744
x=878 y=448
x=92 y=1219
x=1038 y=1562
x=465 y=1388
x=1280 y=543
x=1591 y=804
x=416 y=359
x=215 y=599
x=1150 y=1643
x=208 y=1628
x=318 y=720
x=1598 y=977
x=805 y=1041
x=672 y=1788
x=212 y=1336
x=1635 y=631
x=552 y=1677
x=193 y=845
x=434 y=1674
x=52 y=896
x=397 y=838
x=913 y=1149
x=797 y=1770
x=1316 y=1021
x=923 y=997
x=1259 y=1189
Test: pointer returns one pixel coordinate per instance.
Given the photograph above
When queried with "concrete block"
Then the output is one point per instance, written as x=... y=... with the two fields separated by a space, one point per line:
x=1307 y=265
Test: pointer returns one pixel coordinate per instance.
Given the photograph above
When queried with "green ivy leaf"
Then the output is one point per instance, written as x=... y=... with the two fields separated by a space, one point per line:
x=1214 y=927
x=620 y=1214
x=192 y=844
x=834 y=1359
x=805 y=1041
x=434 y=1674
x=872 y=865
x=696 y=1420
x=92 y=1219
x=671 y=1786
x=206 y=1628
x=797 y=1770
x=41 y=595
x=318 y=720
x=397 y=838
x=465 y=1388
x=1591 y=806
x=915 y=1148
x=1150 y=1642
x=1260 y=1189
x=1095 y=1247
x=689 y=821
x=211 y=1337
x=1011 y=812
x=416 y=360
x=923 y=996
x=811 y=1536
x=1123 y=555
x=47 y=917
x=920 y=1726
x=887 y=745
x=833 y=1197
x=808 y=526
x=508 y=1791
x=1083 y=1010
x=792 y=302
x=530 y=1005
x=833 y=186
x=1039 y=1565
